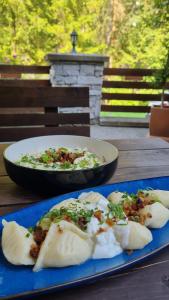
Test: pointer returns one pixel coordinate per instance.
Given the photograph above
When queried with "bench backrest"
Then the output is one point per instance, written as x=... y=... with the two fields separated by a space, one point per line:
x=30 y=107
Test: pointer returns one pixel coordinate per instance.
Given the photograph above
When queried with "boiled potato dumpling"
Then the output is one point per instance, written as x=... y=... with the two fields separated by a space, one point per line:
x=16 y=243
x=94 y=200
x=92 y=197
x=64 y=245
x=117 y=197
x=159 y=195
x=69 y=203
x=156 y=215
x=133 y=235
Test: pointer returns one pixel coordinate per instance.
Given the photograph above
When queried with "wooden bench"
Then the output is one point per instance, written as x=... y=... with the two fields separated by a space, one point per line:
x=29 y=107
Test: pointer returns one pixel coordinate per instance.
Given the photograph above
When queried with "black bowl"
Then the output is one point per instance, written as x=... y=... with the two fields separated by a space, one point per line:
x=55 y=182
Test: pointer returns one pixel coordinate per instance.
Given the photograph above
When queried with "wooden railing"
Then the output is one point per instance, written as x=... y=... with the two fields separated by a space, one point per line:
x=118 y=84
x=31 y=107
x=130 y=79
x=12 y=75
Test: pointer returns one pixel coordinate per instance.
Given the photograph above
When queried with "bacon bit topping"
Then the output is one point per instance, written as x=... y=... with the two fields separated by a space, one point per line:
x=82 y=222
x=110 y=222
x=67 y=218
x=39 y=235
x=34 y=251
x=144 y=198
x=134 y=206
x=98 y=214
x=63 y=156
x=101 y=230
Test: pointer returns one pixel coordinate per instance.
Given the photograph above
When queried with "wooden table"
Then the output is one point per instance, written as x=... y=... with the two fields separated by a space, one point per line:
x=139 y=158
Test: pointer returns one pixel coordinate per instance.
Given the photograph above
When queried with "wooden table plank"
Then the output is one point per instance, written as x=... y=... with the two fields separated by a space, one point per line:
x=140 y=144
x=146 y=158
x=11 y=194
x=150 y=160
x=146 y=283
x=8 y=209
x=133 y=173
x=2 y=167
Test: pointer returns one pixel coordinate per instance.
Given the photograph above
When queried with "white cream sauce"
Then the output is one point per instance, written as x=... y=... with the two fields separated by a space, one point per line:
x=106 y=244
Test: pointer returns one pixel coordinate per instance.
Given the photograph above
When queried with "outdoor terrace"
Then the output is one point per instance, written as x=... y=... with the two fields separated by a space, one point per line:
x=127 y=96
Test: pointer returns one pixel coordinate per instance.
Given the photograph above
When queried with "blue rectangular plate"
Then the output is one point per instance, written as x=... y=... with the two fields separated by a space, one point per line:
x=24 y=282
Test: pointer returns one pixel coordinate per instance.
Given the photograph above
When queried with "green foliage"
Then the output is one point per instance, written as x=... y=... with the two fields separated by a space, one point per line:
x=30 y=29
x=161 y=20
x=133 y=33
x=141 y=42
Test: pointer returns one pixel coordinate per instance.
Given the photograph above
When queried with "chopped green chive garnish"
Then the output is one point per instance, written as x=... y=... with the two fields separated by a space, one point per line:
x=60 y=159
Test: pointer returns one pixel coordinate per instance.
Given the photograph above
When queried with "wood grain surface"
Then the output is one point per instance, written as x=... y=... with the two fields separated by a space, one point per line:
x=8 y=69
x=44 y=96
x=25 y=82
x=133 y=81
x=52 y=118
x=131 y=85
x=127 y=96
x=16 y=125
x=15 y=134
x=125 y=108
x=139 y=158
x=129 y=72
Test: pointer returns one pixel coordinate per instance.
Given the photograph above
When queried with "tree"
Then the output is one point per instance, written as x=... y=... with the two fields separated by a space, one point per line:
x=131 y=32
x=161 y=20
x=30 y=29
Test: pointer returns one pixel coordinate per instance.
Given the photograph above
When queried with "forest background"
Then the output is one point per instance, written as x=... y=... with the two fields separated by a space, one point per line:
x=132 y=33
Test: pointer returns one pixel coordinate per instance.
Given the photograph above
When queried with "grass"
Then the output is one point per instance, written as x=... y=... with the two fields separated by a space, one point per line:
x=123 y=115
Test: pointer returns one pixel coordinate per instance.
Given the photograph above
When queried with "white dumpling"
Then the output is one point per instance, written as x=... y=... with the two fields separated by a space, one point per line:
x=16 y=243
x=64 y=245
x=156 y=215
x=72 y=204
x=94 y=200
x=68 y=203
x=117 y=197
x=159 y=195
x=133 y=235
x=92 y=197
